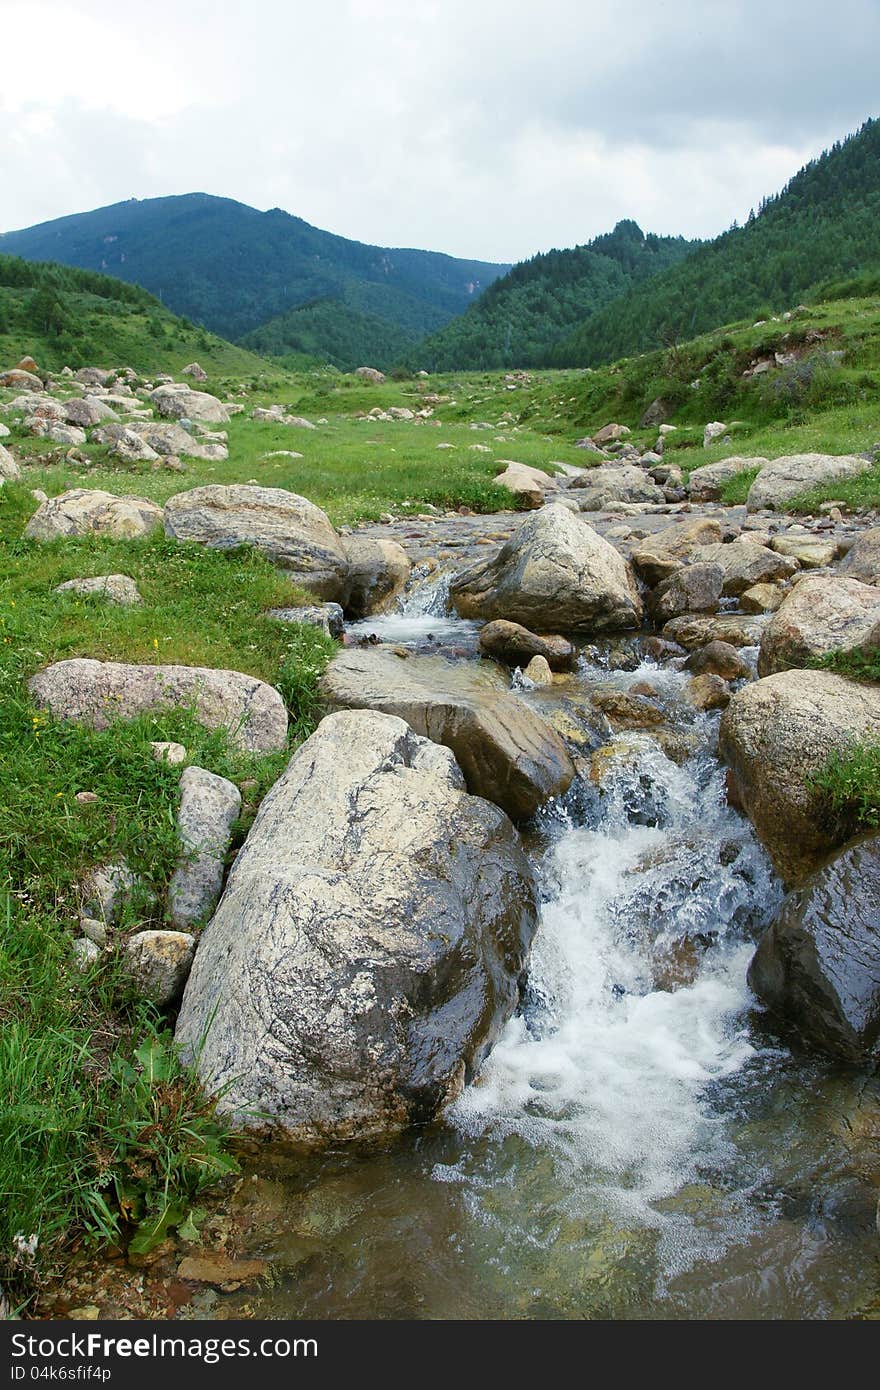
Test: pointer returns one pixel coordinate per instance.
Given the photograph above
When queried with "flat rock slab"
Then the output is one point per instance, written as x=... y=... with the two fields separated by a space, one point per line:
x=97 y=692
x=508 y=754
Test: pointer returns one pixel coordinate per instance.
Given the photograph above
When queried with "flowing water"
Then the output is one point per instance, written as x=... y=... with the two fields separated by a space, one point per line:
x=639 y=1144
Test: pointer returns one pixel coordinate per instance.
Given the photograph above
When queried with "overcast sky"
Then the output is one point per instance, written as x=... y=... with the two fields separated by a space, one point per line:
x=485 y=128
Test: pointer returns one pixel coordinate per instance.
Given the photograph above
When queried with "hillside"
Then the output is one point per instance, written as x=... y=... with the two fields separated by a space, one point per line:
x=232 y=268
x=62 y=316
x=521 y=316
x=822 y=225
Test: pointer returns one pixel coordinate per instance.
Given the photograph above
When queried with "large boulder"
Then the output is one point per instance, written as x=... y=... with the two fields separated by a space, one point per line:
x=785 y=478
x=661 y=554
x=693 y=589
x=707 y=483
x=19 y=379
x=745 y=563
x=507 y=753
x=171 y=439
x=287 y=528
x=601 y=487
x=86 y=512
x=776 y=734
x=862 y=560
x=821 y=614
x=555 y=573
x=97 y=692
x=527 y=485
x=209 y=807
x=370 y=374
x=377 y=574
x=86 y=411
x=516 y=646
x=696 y=630
x=369 y=945
x=818 y=965
x=178 y=402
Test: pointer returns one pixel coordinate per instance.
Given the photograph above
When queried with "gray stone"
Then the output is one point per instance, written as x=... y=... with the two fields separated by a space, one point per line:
x=744 y=564
x=96 y=692
x=600 y=487
x=706 y=484
x=209 y=808
x=658 y=556
x=159 y=963
x=555 y=573
x=821 y=614
x=786 y=478
x=9 y=469
x=177 y=402
x=368 y=948
x=695 y=589
x=327 y=616
x=377 y=574
x=287 y=528
x=168 y=752
x=115 y=588
x=515 y=645
x=105 y=890
x=862 y=560
x=82 y=512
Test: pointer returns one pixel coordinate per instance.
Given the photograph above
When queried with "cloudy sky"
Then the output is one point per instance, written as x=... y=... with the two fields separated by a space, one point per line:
x=485 y=128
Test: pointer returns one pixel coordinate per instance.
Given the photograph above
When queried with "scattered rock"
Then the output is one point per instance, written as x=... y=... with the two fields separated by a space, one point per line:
x=21 y=380
x=195 y=371
x=115 y=588
x=96 y=692
x=176 y=402
x=555 y=572
x=707 y=692
x=776 y=734
x=821 y=615
x=660 y=555
x=105 y=890
x=508 y=754
x=811 y=552
x=745 y=563
x=87 y=411
x=761 y=598
x=9 y=469
x=609 y=434
x=862 y=560
x=538 y=671
x=368 y=948
x=328 y=616
x=370 y=374
x=716 y=429
x=171 y=753
x=85 y=953
x=81 y=512
x=818 y=965
x=599 y=488
x=209 y=808
x=694 y=589
x=707 y=483
x=738 y=630
x=293 y=532
x=159 y=963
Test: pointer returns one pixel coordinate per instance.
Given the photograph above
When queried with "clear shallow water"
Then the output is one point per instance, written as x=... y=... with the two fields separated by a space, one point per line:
x=638 y=1145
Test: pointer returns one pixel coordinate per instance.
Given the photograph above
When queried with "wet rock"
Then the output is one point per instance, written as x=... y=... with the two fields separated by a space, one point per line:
x=538 y=671
x=786 y=478
x=84 y=512
x=626 y=711
x=221 y=1270
x=694 y=589
x=554 y=573
x=328 y=616
x=515 y=645
x=818 y=965
x=658 y=556
x=287 y=528
x=719 y=659
x=862 y=560
x=821 y=615
x=378 y=573
x=115 y=588
x=368 y=947
x=707 y=692
x=158 y=963
x=508 y=754
x=209 y=808
x=776 y=734
x=707 y=483
x=96 y=692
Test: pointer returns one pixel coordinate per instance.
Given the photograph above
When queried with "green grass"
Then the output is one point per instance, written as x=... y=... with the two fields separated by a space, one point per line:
x=102 y=1131
x=850 y=783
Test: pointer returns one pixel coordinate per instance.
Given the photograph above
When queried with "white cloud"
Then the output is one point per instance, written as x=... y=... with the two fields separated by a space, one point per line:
x=489 y=128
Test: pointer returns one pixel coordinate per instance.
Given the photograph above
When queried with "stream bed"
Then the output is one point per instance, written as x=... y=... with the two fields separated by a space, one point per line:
x=640 y=1143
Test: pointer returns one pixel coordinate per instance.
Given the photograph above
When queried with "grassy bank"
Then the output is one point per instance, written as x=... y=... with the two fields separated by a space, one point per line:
x=102 y=1133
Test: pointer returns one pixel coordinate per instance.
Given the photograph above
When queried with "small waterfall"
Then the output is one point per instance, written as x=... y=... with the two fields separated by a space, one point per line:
x=422 y=618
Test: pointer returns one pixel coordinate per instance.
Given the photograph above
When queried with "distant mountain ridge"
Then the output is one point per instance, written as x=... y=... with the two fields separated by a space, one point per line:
x=233 y=268
x=522 y=315
x=824 y=224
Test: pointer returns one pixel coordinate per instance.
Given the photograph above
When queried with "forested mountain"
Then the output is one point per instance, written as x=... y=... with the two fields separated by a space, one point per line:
x=520 y=317
x=64 y=316
x=232 y=268
x=825 y=223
